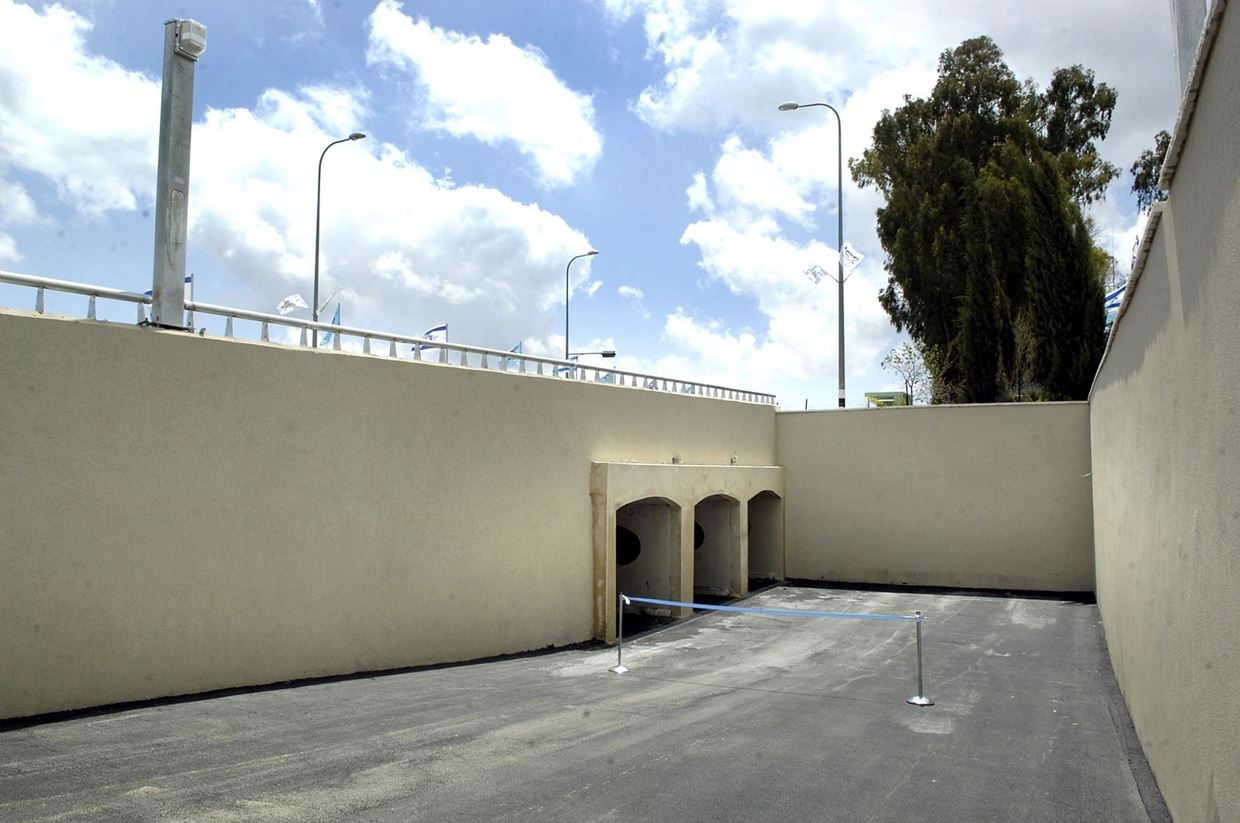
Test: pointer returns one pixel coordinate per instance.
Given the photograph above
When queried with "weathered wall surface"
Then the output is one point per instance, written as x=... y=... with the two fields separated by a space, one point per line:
x=1165 y=420
x=180 y=514
x=976 y=496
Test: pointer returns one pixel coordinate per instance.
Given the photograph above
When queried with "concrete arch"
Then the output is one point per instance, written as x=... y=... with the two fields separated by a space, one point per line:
x=717 y=552
x=765 y=544
x=651 y=529
x=733 y=496
x=658 y=505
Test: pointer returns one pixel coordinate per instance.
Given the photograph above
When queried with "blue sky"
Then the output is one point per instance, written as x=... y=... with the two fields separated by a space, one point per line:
x=505 y=138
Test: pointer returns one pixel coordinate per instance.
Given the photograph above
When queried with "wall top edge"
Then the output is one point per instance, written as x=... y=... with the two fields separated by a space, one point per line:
x=621 y=464
x=1188 y=100
x=1138 y=267
x=897 y=409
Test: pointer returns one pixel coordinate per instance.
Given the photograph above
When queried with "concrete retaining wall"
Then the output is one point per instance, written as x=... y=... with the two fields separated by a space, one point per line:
x=182 y=514
x=1166 y=444
x=973 y=496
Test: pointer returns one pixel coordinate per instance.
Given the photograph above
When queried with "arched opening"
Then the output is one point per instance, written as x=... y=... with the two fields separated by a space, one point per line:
x=766 y=539
x=648 y=549
x=716 y=547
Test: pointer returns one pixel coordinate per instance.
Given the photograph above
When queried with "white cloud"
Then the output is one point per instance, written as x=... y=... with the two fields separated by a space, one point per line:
x=698 y=195
x=727 y=64
x=635 y=295
x=16 y=209
x=82 y=122
x=734 y=61
x=491 y=90
x=8 y=248
x=593 y=287
x=405 y=250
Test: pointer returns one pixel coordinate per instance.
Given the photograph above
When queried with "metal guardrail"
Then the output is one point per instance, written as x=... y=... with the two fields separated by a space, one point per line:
x=373 y=342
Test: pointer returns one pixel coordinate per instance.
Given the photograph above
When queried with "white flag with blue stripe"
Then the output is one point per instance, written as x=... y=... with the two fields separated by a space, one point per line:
x=506 y=362
x=437 y=334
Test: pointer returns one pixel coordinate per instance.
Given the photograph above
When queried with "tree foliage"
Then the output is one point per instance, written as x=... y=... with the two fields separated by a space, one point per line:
x=990 y=264
x=1145 y=171
x=908 y=364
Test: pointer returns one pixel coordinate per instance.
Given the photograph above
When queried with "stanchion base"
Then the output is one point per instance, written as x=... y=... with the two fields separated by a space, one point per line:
x=619 y=669
x=919 y=700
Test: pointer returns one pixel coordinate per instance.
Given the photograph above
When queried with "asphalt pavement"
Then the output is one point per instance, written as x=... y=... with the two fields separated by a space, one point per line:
x=724 y=717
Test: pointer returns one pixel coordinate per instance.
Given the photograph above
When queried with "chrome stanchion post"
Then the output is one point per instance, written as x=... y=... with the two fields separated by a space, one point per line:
x=620 y=668
x=920 y=698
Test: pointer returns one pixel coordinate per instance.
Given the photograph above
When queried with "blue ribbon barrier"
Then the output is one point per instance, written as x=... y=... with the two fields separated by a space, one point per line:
x=919 y=699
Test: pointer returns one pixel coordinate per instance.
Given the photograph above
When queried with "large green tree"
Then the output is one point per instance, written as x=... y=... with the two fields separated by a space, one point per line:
x=1145 y=171
x=990 y=265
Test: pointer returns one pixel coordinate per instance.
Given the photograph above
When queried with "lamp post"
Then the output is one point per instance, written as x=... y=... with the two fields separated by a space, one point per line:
x=604 y=354
x=839 y=211
x=590 y=253
x=318 y=206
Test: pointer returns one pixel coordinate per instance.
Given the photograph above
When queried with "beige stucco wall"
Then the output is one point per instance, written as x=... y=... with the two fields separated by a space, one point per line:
x=180 y=514
x=975 y=496
x=1165 y=420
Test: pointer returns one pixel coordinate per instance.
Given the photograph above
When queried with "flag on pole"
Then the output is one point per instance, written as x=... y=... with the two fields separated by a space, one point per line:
x=438 y=334
x=328 y=335
x=815 y=273
x=850 y=257
x=506 y=361
x=1112 y=302
x=567 y=371
x=1115 y=298
x=291 y=303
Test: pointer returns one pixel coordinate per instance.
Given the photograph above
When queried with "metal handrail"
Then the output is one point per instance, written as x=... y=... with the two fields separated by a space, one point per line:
x=558 y=368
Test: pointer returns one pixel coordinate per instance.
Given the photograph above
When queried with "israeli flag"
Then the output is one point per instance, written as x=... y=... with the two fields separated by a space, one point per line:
x=1115 y=298
x=327 y=336
x=567 y=371
x=438 y=334
x=505 y=362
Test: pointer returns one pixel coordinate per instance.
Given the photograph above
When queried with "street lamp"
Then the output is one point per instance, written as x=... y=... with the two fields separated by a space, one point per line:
x=590 y=253
x=318 y=204
x=839 y=211
x=607 y=353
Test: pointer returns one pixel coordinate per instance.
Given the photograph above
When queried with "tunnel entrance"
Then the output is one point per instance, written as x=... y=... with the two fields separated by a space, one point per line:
x=717 y=547
x=648 y=554
x=679 y=533
x=766 y=539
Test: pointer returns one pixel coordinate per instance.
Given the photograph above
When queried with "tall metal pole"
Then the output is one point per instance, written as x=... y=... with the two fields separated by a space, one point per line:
x=839 y=235
x=318 y=207
x=184 y=42
x=839 y=226
x=590 y=253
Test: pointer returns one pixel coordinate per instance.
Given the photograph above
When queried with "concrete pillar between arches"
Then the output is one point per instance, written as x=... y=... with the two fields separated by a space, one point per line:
x=684 y=583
